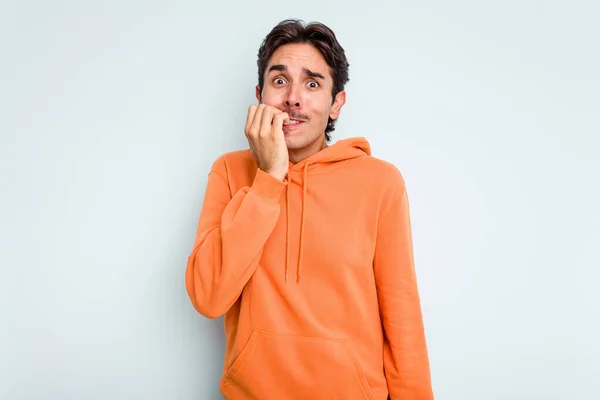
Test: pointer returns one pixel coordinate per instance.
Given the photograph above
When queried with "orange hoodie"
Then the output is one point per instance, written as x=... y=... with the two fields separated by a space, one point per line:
x=315 y=277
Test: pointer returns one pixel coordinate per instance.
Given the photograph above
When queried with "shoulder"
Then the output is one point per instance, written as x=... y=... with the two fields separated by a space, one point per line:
x=238 y=168
x=384 y=173
x=234 y=162
x=389 y=184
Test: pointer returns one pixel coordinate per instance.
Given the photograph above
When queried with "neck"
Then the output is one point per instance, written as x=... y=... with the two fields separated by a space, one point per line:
x=298 y=155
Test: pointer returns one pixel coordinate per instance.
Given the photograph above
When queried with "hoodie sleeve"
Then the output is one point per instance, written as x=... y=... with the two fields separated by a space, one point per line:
x=406 y=361
x=230 y=237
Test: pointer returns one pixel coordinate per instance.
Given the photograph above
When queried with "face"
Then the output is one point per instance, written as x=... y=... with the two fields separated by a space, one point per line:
x=297 y=81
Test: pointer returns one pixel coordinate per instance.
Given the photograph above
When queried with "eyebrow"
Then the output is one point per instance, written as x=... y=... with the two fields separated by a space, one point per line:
x=283 y=68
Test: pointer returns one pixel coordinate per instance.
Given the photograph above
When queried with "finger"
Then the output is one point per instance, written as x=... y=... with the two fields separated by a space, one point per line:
x=255 y=125
x=251 y=112
x=278 y=121
x=267 y=121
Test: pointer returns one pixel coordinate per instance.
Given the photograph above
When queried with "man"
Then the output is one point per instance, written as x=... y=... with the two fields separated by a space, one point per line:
x=306 y=248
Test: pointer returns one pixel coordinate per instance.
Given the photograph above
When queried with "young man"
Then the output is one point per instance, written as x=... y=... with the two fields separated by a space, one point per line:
x=306 y=248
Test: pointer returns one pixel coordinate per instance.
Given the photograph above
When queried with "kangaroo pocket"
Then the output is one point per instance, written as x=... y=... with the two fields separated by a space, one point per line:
x=272 y=366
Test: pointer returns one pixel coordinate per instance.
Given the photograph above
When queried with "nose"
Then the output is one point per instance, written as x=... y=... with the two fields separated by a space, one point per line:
x=293 y=97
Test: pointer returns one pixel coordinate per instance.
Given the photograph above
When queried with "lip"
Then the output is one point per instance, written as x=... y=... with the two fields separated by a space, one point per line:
x=287 y=128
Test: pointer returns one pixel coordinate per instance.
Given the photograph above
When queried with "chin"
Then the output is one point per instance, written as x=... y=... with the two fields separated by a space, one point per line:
x=296 y=142
x=292 y=144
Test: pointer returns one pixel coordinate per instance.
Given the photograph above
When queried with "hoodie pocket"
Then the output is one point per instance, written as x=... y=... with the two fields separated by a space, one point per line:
x=272 y=366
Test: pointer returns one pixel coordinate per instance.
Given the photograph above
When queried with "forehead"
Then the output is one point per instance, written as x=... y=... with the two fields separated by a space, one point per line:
x=300 y=55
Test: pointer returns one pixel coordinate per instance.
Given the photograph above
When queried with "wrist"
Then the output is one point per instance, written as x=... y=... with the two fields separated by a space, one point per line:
x=279 y=175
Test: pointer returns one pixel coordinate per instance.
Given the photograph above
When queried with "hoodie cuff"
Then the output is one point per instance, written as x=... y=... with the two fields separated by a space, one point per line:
x=267 y=187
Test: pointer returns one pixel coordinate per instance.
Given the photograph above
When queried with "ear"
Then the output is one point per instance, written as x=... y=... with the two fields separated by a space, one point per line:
x=338 y=103
x=258 y=94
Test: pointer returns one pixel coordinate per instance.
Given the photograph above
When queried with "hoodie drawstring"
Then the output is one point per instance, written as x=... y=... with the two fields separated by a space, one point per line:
x=287 y=210
x=287 y=224
x=304 y=186
x=342 y=150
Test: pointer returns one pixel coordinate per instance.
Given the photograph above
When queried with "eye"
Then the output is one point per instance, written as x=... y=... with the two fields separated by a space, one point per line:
x=279 y=81
x=313 y=84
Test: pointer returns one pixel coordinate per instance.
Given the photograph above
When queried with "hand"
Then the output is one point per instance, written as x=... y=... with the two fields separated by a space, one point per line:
x=264 y=130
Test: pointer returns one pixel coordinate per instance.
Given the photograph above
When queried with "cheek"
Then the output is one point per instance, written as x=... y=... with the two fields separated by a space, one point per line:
x=321 y=108
x=272 y=97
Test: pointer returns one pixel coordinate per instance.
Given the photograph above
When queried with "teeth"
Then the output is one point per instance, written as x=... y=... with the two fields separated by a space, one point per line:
x=293 y=122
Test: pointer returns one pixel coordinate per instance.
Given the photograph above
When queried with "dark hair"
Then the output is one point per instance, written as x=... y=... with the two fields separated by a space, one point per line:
x=316 y=34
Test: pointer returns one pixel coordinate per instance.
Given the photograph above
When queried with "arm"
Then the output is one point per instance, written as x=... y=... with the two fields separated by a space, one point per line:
x=406 y=361
x=230 y=238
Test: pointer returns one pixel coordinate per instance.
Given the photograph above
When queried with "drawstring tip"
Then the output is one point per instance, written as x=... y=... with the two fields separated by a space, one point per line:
x=286 y=276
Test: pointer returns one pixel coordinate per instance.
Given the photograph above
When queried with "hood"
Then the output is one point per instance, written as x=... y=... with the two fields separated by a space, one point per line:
x=342 y=150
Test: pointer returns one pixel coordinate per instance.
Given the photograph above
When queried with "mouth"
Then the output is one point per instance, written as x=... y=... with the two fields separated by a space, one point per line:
x=293 y=121
x=292 y=124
